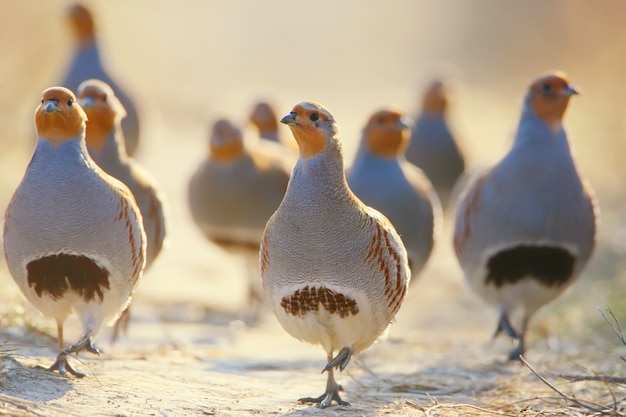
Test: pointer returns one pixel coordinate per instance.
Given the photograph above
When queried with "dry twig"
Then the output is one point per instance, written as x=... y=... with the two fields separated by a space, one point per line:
x=588 y=405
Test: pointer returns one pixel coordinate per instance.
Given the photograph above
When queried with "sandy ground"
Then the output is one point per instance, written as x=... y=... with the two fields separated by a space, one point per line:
x=191 y=349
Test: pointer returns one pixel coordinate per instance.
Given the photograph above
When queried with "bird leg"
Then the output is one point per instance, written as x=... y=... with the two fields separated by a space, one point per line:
x=504 y=325
x=63 y=366
x=121 y=324
x=332 y=388
x=521 y=346
x=60 y=334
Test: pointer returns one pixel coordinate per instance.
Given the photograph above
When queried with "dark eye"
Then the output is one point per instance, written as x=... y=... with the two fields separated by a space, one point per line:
x=381 y=121
x=546 y=88
x=42 y=101
x=70 y=102
x=314 y=117
x=104 y=98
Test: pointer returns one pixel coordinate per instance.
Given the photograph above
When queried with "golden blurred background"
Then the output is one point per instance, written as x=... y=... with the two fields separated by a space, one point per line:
x=187 y=63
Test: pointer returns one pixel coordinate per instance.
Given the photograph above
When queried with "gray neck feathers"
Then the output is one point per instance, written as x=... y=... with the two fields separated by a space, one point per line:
x=318 y=180
x=113 y=151
x=52 y=160
x=531 y=129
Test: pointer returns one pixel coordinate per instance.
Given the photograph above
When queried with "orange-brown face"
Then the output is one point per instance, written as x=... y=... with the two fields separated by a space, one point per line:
x=435 y=98
x=226 y=142
x=311 y=125
x=82 y=23
x=549 y=97
x=99 y=102
x=387 y=133
x=264 y=117
x=59 y=117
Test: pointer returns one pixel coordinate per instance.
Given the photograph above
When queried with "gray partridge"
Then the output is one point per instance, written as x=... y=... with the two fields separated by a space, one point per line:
x=335 y=270
x=73 y=235
x=106 y=146
x=382 y=178
x=232 y=194
x=526 y=228
x=87 y=63
x=433 y=146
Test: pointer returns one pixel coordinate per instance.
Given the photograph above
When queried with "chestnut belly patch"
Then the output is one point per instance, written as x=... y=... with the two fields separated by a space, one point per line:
x=310 y=298
x=549 y=265
x=55 y=274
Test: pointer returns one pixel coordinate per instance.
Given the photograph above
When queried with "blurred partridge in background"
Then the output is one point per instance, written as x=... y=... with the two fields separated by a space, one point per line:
x=382 y=178
x=234 y=191
x=264 y=119
x=335 y=271
x=105 y=143
x=73 y=237
x=526 y=228
x=87 y=63
x=433 y=146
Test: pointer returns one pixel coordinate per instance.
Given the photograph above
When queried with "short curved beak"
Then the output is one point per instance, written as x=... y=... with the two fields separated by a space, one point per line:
x=51 y=106
x=570 y=90
x=290 y=119
x=86 y=102
x=404 y=123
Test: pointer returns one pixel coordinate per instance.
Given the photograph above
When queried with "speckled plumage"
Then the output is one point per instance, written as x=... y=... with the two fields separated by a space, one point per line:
x=382 y=178
x=323 y=237
x=66 y=205
x=533 y=202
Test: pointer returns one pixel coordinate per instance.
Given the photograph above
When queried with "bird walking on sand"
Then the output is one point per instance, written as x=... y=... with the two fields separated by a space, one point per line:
x=73 y=237
x=433 y=147
x=381 y=178
x=233 y=193
x=87 y=63
x=526 y=227
x=105 y=143
x=335 y=270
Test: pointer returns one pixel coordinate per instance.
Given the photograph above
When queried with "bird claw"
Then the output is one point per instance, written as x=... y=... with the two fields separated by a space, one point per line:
x=86 y=343
x=326 y=399
x=340 y=361
x=504 y=325
x=63 y=366
x=515 y=355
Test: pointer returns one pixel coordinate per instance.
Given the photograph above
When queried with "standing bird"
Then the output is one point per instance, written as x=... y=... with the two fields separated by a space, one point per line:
x=87 y=64
x=433 y=147
x=234 y=192
x=73 y=237
x=335 y=270
x=105 y=143
x=384 y=180
x=526 y=228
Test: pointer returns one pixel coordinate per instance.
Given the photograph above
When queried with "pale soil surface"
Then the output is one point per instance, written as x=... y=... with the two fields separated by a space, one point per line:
x=191 y=349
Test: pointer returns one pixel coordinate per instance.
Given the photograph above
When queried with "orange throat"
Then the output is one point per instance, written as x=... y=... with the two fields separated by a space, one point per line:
x=57 y=127
x=385 y=144
x=226 y=152
x=98 y=128
x=311 y=142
